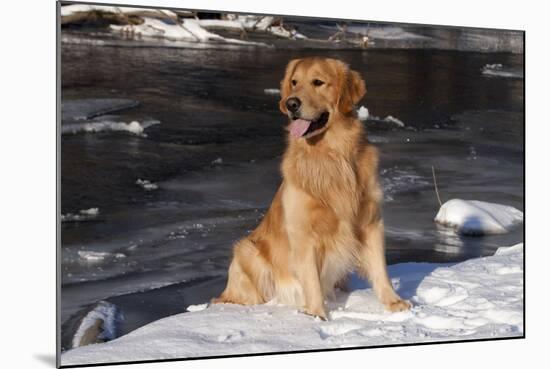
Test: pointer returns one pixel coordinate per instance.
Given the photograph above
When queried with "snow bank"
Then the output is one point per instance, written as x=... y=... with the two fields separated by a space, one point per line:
x=81 y=8
x=98 y=325
x=153 y=27
x=188 y=30
x=478 y=217
x=252 y=23
x=133 y=127
x=83 y=215
x=146 y=184
x=479 y=298
x=385 y=33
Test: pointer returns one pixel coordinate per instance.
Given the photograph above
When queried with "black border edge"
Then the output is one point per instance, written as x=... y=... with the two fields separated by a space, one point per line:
x=524 y=179
x=292 y=352
x=58 y=183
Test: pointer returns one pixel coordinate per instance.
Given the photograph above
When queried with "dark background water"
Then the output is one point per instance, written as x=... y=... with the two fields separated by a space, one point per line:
x=174 y=243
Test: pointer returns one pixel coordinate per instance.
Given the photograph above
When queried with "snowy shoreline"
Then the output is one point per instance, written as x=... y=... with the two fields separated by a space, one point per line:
x=176 y=28
x=476 y=299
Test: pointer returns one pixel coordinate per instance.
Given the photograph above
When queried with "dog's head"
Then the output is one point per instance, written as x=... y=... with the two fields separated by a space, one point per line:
x=316 y=92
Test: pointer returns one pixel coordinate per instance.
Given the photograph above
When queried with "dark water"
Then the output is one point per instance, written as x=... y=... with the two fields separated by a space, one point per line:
x=215 y=158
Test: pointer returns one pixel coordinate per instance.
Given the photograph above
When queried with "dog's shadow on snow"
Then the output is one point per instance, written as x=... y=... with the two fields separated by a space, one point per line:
x=405 y=279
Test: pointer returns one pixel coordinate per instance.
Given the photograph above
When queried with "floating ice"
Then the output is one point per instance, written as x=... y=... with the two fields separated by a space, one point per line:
x=96 y=256
x=147 y=185
x=83 y=215
x=478 y=217
x=218 y=161
x=272 y=91
x=394 y=120
x=133 y=127
x=498 y=70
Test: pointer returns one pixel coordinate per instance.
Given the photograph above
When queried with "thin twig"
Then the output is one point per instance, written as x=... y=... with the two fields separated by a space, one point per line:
x=435 y=186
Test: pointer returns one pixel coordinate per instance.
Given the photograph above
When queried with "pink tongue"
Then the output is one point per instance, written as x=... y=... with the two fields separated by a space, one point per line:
x=298 y=127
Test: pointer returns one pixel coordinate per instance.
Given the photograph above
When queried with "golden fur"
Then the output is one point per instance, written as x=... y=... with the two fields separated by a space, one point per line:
x=325 y=220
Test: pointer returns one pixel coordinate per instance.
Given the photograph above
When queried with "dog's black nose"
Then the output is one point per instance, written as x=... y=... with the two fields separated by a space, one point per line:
x=293 y=104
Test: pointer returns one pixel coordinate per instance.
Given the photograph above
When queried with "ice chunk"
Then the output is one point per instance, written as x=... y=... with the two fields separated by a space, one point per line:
x=83 y=215
x=473 y=217
x=498 y=70
x=362 y=113
x=133 y=127
x=96 y=256
x=272 y=91
x=199 y=307
x=147 y=185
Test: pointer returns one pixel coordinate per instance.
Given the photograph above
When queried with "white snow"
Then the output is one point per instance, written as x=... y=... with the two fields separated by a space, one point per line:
x=362 y=113
x=253 y=22
x=107 y=313
x=133 y=127
x=393 y=33
x=221 y=23
x=478 y=298
x=153 y=27
x=189 y=30
x=199 y=307
x=146 y=184
x=272 y=91
x=83 y=215
x=81 y=8
x=478 y=217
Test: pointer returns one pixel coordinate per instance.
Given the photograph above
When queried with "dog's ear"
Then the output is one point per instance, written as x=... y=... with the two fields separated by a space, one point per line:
x=352 y=90
x=286 y=86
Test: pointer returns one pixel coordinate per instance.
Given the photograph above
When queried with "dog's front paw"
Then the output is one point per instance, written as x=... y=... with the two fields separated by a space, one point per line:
x=317 y=312
x=398 y=305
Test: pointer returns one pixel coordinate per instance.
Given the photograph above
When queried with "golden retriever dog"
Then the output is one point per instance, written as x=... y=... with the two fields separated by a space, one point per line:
x=325 y=220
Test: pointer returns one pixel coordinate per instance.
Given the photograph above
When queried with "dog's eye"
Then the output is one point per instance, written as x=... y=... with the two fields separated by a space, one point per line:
x=293 y=82
x=318 y=82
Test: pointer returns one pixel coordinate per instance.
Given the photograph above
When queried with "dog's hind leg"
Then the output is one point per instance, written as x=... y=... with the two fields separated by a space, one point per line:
x=249 y=279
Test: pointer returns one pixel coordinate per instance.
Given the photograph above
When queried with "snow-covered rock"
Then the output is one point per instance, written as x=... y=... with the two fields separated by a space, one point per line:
x=478 y=298
x=99 y=325
x=473 y=217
